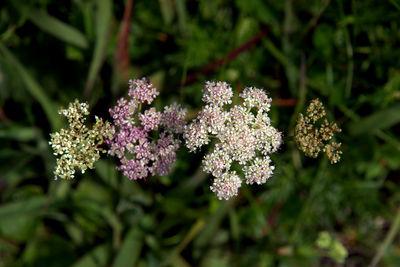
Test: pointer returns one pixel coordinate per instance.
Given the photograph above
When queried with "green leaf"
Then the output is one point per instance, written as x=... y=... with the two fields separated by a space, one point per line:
x=278 y=55
x=324 y=240
x=130 y=250
x=34 y=88
x=19 y=133
x=76 y=233
x=166 y=9
x=56 y=27
x=8 y=250
x=395 y=3
x=96 y=257
x=246 y=29
x=103 y=22
x=261 y=10
x=193 y=232
x=213 y=223
x=18 y=220
x=323 y=40
x=94 y=212
x=89 y=189
x=181 y=11
x=73 y=53
x=107 y=173
x=382 y=119
x=29 y=207
x=234 y=224
x=49 y=251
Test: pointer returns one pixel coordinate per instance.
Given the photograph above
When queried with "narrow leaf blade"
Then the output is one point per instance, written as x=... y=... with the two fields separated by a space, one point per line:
x=57 y=28
x=130 y=249
x=103 y=22
x=34 y=88
x=380 y=120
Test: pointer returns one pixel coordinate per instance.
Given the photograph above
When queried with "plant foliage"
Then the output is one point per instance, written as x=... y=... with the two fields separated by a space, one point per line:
x=342 y=52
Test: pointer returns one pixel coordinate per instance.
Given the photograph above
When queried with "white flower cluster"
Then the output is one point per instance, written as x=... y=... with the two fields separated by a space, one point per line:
x=243 y=134
x=78 y=146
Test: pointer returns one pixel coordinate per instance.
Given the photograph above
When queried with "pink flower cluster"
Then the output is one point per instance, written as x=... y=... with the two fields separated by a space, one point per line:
x=243 y=134
x=145 y=143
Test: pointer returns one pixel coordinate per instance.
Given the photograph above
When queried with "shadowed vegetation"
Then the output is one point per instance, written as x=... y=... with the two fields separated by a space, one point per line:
x=308 y=214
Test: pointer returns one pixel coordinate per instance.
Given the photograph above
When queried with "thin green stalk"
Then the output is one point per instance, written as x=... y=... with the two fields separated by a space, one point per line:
x=388 y=240
x=349 y=53
x=302 y=92
x=289 y=138
x=184 y=72
x=313 y=22
x=287 y=45
x=318 y=185
x=299 y=107
x=194 y=230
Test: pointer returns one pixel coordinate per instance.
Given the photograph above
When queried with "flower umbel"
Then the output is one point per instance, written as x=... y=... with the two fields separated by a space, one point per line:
x=243 y=134
x=145 y=142
x=313 y=133
x=78 y=146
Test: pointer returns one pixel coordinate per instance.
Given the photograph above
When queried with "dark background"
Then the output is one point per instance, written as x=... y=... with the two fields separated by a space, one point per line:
x=344 y=52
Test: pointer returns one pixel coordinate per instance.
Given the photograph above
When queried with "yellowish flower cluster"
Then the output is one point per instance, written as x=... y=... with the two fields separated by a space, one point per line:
x=78 y=146
x=313 y=133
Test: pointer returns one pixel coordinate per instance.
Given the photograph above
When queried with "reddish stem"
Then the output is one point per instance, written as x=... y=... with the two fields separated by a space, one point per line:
x=285 y=102
x=192 y=77
x=122 y=58
x=3 y=116
x=274 y=214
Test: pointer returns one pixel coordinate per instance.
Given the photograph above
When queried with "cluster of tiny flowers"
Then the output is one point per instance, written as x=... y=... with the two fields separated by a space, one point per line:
x=243 y=134
x=313 y=131
x=78 y=146
x=134 y=133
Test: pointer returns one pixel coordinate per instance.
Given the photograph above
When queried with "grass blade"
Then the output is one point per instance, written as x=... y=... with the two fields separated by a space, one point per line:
x=18 y=220
x=103 y=22
x=395 y=3
x=34 y=89
x=166 y=10
x=96 y=257
x=27 y=207
x=387 y=241
x=19 y=133
x=193 y=232
x=181 y=11
x=382 y=119
x=213 y=223
x=130 y=250
x=57 y=28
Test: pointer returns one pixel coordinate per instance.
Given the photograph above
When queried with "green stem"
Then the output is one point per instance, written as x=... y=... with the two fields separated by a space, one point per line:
x=288 y=138
x=193 y=232
x=317 y=186
x=349 y=53
x=388 y=240
x=299 y=107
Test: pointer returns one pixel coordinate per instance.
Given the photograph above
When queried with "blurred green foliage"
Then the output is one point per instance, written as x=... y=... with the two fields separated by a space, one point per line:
x=343 y=52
